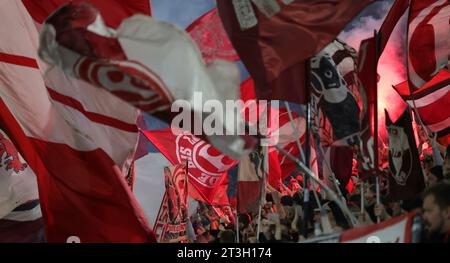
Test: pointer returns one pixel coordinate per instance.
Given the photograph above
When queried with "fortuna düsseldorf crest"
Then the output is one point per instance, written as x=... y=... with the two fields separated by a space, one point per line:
x=206 y=164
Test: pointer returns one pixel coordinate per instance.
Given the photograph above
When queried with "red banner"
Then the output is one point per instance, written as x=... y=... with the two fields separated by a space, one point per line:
x=207 y=167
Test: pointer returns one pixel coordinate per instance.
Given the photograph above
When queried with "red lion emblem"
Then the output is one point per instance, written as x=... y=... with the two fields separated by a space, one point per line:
x=9 y=156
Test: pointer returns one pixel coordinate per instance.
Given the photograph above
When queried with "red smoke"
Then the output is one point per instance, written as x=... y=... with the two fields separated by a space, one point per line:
x=391 y=67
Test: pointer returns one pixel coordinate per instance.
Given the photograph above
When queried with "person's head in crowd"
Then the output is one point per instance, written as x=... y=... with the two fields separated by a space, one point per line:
x=370 y=194
x=395 y=208
x=227 y=236
x=446 y=167
x=244 y=220
x=436 y=210
x=435 y=175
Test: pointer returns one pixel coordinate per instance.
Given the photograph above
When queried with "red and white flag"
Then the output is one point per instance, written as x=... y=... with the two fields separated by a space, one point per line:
x=20 y=212
x=18 y=183
x=211 y=38
x=78 y=140
x=207 y=167
x=433 y=104
x=139 y=62
x=176 y=198
x=395 y=230
x=428 y=40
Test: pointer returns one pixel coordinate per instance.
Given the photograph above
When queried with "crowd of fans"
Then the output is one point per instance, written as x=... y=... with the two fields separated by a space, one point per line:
x=285 y=217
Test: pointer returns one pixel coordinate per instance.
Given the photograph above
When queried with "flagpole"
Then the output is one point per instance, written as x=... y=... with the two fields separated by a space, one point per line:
x=237 y=226
x=378 y=196
x=329 y=192
x=187 y=192
x=375 y=110
x=263 y=186
x=299 y=145
x=375 y=128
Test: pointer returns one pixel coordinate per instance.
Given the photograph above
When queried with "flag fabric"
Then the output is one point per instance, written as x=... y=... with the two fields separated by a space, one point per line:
x=20 y=212
x=176 y=181
x=18 y=183
x=250 y=183
x=335 y=110
x=397 y=10
x=207 y=167
x=211 y=38
x=23 y=225
x=395 y=230
x=406 y=179
x=266 y=39
x=41 y=9
x=139 y=63
x=432 y=102
x=367 y=74
x=59 y=124
x=370 y=51
x=332 y=101
x=428 y=35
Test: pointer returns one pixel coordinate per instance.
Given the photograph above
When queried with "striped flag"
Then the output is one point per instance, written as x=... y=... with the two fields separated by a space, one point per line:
x=428 y=45
x=433 y=104
x=78 y=139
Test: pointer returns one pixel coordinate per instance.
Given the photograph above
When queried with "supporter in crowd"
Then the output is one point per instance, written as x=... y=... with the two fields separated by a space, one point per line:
x=436 y=213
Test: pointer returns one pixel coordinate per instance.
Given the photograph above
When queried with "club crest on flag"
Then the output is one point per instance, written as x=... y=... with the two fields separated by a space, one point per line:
x=206 y=164
x=141 y=87
x=429 y=32
x=401 y=156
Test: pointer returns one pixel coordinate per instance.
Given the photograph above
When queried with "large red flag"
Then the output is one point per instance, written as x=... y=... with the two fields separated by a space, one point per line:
x=432 y=102
x=428 y=35
x=207 y=167
x=76 y=138
x=274 y=44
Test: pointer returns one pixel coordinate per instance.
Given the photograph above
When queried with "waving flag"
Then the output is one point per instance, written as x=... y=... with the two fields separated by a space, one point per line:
x=18 y=183
x=76 y=138
x=207 y=167
x=433 y=104
x=177 y=203
x=139 y=63
x=267 y=40
x=41 y=9
x=406 y=178
x=20 y=212
x=211 y=38
x=428 y=40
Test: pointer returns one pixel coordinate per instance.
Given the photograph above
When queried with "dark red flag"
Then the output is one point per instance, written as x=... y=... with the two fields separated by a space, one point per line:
x=405 y=178
x=274 y=48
